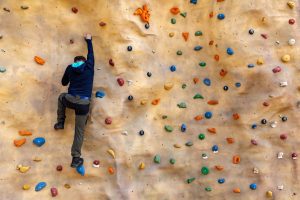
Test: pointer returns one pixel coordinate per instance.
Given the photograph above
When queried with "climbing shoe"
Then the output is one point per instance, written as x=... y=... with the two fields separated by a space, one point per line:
x=76 y=162
x=59 y=125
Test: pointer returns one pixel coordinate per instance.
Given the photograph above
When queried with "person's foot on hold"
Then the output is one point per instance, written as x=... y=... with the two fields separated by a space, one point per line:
x=76 y=162
x=59 y=125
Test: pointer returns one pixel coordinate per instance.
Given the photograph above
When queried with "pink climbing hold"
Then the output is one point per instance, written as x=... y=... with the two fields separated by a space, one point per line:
x=120 y=81
x=108 y=120
x=54 y=192
x=276 y=69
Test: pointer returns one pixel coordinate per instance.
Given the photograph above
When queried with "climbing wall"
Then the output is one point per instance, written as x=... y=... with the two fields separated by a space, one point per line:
x=192 y=99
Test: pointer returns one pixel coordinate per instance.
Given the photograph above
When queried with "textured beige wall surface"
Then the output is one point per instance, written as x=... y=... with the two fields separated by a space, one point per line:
x=28 y=99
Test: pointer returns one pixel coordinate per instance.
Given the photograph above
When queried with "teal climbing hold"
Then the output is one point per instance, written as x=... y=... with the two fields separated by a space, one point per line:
x=183 y=14
x=198 y=96
x=168 y=128
x=172 y=161
x=179 y=53
x=202 y=64
x=208 y=189
x=173 y=21
x=181 y=105
x=190 y=180
x=157 y=159
x=189 y=143
x=2 y=69
x=198 y=33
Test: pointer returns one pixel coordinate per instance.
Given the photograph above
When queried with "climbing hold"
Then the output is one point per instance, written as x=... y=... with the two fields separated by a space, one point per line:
x=202 y=64
x=172 y=161
x=112 y=153
x=157 y=159
x=236 y=116
x=236 y=159
x=198 y=118
x=198 y=96
x=168 y=86
x=283 y=83
x=292 y=21
x=260 y=61
x=171 y=34
x=74 y=10
x=221 y=180
x=26 y=187
x=236 y=190
x=201 y=136
x=130 y=97
x=143 y=13
x=225 y=88
x=208 y=115
x=251 y=31
x=254 y=142
x=217 y=58
x=177 y=145
x=280 y=187
x=120 y=81
x=198 y=33
x=280 y=155
x=291 y=4
x=190 y=180
x=37 y=159
x=111 y=62
x=182 y=105
x=212 y=130
x=147 y=26
x=142 y=166
x=204 y=170
x=263 y=121
x=164 y=117
x=100 y=94
x=189 y=144
x=24 y=7
x=179 y=53
x=68 y=186
x=143 y=102
x=59 y=168
x=102 y=24
x=185 y=36
x=155 y=102
x=183 y=14
x=286 y=58
x=39 y=60
x=40 y=186
x=173 y=68
x=250 y=65
x=276 y=69
x=2 y=69
x=19 y=142
x=54 y=192
x=219 y=167
x=283 y=136
x=208 y=189
x=254 y=126
x=207 y=82
x=292 y=42
x=111 y=170
x=96 y=163
x=223 y=72
x=23 y=169
x=175 y=10
x=129 y=48
x=173 y=21
x=221 y=16
x=269 y=194
x=39 y=141
x=294 y=156
x=255 y=170
x=108 y=120
x=230 y=51
x=204 y=156
x=80 y=169
x=196 y=80
x=183 y=128
x=193 y=1
x=213 y=102
x=198 y=48
x=183 y=86
x=215 y=148
x=265 y=36
x=253 y=186
x=230 y=140
x=284 y=118
x=149 y=74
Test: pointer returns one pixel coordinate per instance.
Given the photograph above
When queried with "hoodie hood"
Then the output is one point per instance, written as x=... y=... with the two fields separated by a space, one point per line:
x=78 y=67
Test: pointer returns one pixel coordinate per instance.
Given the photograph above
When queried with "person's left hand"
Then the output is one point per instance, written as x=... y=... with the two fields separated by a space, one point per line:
x=88 y=36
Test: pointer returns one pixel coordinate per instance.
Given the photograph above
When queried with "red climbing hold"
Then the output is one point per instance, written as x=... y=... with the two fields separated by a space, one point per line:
x=283 y=136
x=291 y=21
x=108 y=120
x=236 y=116
x=276 y=69
x=266 y=104
x=54 y=192
x=217 y=58
x=223 y=72
x=211 y=14
x=120 y=81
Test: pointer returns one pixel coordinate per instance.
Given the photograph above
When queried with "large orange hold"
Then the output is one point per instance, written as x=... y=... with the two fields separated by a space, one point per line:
x=217 y=58
x=39 y=60
x=213 y=102
x=185 y=35
x=143 y=13
x=20 y=142
x=175 y=10
x=24 y=133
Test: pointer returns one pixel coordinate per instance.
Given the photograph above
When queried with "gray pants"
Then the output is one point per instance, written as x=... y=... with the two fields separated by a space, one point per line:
x=81 y=107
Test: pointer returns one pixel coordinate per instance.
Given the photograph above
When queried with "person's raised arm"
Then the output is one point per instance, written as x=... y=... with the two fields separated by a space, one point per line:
x=65 y=79
x=90 y=56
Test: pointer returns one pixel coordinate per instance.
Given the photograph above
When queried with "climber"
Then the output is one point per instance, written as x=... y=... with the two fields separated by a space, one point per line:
x=80 y=75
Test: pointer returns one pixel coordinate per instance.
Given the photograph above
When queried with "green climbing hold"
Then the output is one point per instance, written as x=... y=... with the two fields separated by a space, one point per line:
x=198 y=33
x=157 y=159
x=190 y=143
x=183 y=86
x=198 y=96
x=205 y=170
x=208 y=189
x=179 y=53
x=202 y=64
x=181 y=105
x=173 y=21
x=201 y=136
x=183 y=14
x=168 y=128
x=172 y=161
x=2 y=69
x=190 y=180
x=164 y=117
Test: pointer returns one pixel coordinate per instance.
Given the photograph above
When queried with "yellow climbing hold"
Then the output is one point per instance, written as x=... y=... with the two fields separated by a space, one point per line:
x=37 y=159
x=260 y=61
x=286 y=58
x=26 y=187
x=111 y=152
x=177 y=145
x=171 y=34
x=291 y=4
x=23 y=169
x=143 y=102
x=142 y=166
x=269 y=194
x=168 y=86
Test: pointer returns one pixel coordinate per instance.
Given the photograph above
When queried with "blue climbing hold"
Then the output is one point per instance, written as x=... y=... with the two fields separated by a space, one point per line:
x=253 y=186
x=193 y=1
x=208 y=115
x=254 y=126
x=215 y=148
x=198 y=48
x=173 y=68
x=221 y=180
x=183 y=128
x=207 y=81
x=238 y=84
x=250 y=65
x=80 y=170
x=40 y=186
x=221 y=16
x=100 y=94
x=230 y=51
x=39 y=141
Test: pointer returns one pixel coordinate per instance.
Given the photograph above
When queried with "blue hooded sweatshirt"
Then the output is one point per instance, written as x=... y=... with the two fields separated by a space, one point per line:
x=81 y=75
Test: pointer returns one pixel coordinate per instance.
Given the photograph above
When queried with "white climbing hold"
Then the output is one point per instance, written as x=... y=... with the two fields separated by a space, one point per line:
x=124 y=133
x=130 y=82
x=273 y=124
x=111 y=152
x=280 y=155
x=280 y=187
x=283 y=84
x=255 y=170
x=292 y=42
x=277 y=42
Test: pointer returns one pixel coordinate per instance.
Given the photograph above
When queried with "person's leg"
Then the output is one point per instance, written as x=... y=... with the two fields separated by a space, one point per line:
x=61 y=112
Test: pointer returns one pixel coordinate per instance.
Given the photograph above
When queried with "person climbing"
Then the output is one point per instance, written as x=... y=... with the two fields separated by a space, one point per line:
x=80 y=75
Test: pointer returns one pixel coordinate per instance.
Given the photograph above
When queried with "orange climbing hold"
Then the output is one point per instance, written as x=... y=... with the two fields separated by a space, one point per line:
x=198 y=118
x=219 y=167
x=223 y=72
x=143 y=13
x=155 y=102
x=211 y=42
x=39 y=60
x=236 y=190
x=196 y=80
x=236 y=159
x=236 y=116
x=217 y=58
x=111 y=170
x=213 y=102
x=230 y=140
x=211 y=14
x=212 y=130
x=185 y=35
x=24 y=133
x=20 y=142
x=175 y=10
x=220 y=0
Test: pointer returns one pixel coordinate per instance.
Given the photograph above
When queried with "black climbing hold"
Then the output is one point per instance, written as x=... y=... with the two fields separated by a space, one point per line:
x=284 y=118
x=141 y=132
x=263 y=121
x=129 y=48
x=251 y=31
x=130 y=97
x=149 y=74
x=147 y=26
x=225 y=88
